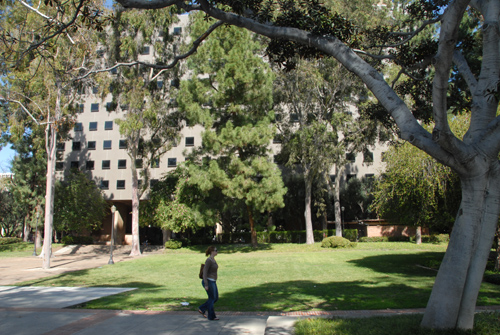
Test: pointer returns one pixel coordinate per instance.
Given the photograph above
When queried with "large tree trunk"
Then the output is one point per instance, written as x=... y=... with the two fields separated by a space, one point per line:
x=307 y=212
x=454 y=295
x=136 y=245
x=497 y=258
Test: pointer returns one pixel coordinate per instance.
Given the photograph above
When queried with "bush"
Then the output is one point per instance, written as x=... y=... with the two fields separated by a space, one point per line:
x=337 y=242
x=493 y=279
x=10 y=240
x=77 y=240
x=351 y=234
x=173 y=244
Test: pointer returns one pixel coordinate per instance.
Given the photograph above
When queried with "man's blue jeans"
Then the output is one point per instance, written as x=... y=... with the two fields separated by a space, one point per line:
x=213 y=296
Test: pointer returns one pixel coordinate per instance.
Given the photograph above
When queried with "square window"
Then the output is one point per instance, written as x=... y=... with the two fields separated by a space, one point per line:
x=159 y=84
x=108 y=125
x=122 y=163
x=106 y=145
x=59 y=166
x=80 y=108
x=294 y=117
x=368 y=156
x=106 y=165
x=189 y=141
x=172 y=162
x=177 y=31
x=113 y=70
x=155 y=163
x=110 y=106
x=351 y=157
x=94 y=108
x=278 y=139
x=74 y=165
x=122 y=144
x=145 y=50
x=60 y=146
x=89 y=165
x=78 y=126
x=120 y=184
x=153 y=182
x=104 y=185
x=95 y=89
x=350 y=176
x=138 y=163
x=91 y=145
x=92 y=126
x=124 y=107
x=76 y=146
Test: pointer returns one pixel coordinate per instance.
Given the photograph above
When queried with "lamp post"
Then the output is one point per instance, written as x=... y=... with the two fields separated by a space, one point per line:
x=342 y=218
x=36 y=232
x=113 y=210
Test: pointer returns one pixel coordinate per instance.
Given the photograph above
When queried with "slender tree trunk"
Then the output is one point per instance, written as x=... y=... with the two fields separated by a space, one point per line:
x=253 y=233
x=26 y=228
x=497 y=260
x=307 y=212
x=454 y=295
x=338 y=211
x=418 y=235
x=136 y=245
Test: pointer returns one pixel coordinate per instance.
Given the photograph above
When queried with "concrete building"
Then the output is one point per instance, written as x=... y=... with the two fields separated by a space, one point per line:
x=97 y=148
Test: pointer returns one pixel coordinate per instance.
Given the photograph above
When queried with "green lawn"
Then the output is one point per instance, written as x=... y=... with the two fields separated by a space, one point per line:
x=275 y=277
x=484 y=324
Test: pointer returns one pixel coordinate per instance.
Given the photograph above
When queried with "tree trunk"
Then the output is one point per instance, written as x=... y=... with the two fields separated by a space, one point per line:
x=253 y=233
x=136 y=245
x=26 y=229
x=51 y=138
x=418 y=235
x=497 y=259
x=38 y=237
x=338 y=211
x=167 y=235
x=453 y=299
x=307 y=212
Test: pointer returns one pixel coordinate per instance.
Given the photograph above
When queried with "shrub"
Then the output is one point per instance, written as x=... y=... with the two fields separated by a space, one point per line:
x=351 y=234
x=493 y=279
x=173 y=244
x=10 y=240
x=77 y=240
x=337 y=242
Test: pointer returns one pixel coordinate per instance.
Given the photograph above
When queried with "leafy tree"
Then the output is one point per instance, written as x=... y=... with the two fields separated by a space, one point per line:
x=356 y=197
x=79 y=204
x=150 y=125
x=463 y=28
x=314 y=123
x=237 y=90
x=417 y=190
x=39 y=86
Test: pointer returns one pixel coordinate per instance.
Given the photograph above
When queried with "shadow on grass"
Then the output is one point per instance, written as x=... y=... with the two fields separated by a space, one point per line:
x=411 y=265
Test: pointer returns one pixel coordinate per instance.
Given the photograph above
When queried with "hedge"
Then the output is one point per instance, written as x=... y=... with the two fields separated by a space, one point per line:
x=337 y=242
x=77 y=240
x=10 y=240
x=285 y=236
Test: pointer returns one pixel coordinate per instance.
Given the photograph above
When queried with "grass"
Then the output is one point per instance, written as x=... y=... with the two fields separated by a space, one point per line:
x=484 y=324
x=23 y=249
x=275 y=277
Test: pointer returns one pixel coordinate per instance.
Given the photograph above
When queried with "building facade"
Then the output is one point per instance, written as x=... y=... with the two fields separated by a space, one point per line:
x=97 y=148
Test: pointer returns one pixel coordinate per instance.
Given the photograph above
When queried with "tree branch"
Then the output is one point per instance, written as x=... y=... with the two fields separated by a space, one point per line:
x=176 y=59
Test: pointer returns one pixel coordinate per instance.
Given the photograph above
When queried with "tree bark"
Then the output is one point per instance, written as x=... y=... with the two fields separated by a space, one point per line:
x=418 y=235
x=253 y=233
x=136 y=245
x=454 y=295
x=307 y=212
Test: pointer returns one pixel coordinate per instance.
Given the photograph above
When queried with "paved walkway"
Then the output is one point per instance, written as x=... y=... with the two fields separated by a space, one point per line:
x=33 y=310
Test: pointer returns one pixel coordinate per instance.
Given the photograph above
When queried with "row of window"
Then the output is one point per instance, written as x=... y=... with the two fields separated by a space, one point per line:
x=107 y=144
x=122 y=164
x=93 y=126
x=120 y=184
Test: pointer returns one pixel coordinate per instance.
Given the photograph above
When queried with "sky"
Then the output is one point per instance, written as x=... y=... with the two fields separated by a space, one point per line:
x=6 y=155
